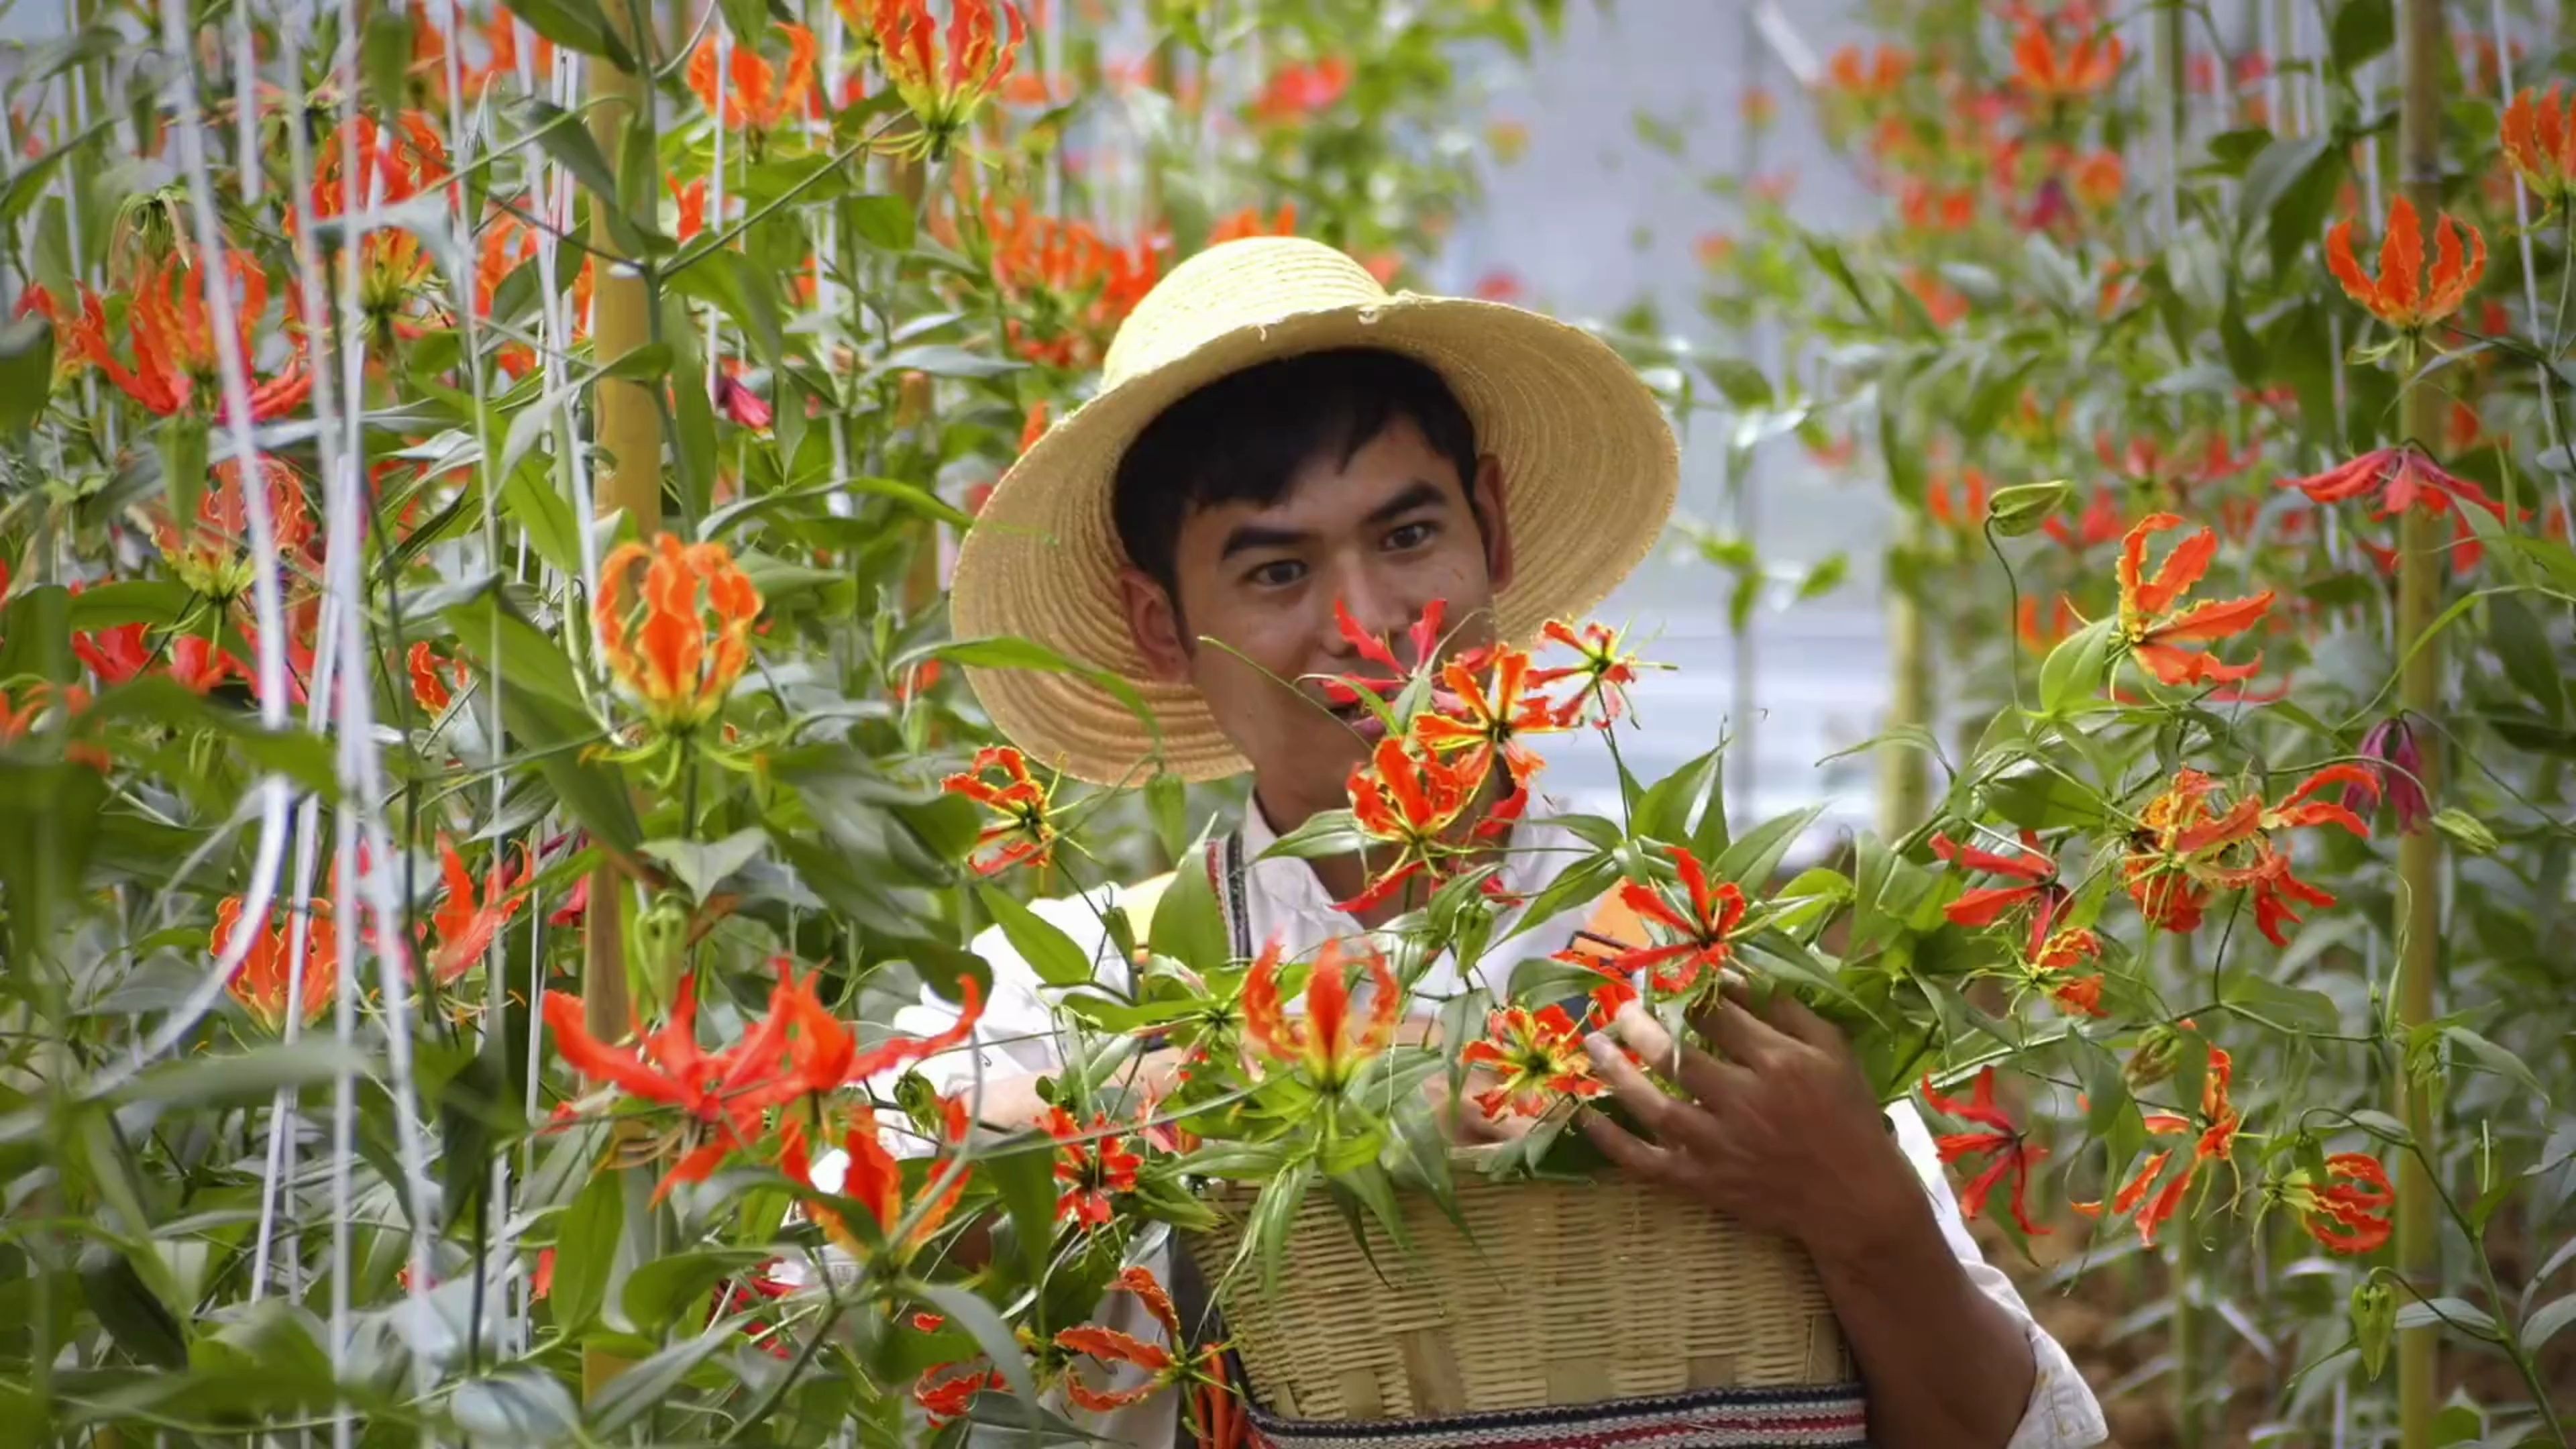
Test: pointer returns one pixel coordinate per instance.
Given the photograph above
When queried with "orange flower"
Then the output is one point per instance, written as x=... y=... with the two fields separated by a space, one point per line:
x=1093 y=1166
x=679 y=647
x=1250 y=222
x=824 y=1056
x=2061 y=73
x=1160 y=1361
x=2402 y=297
x=1987 y=904
x=2539 y=138
x=978 y=59
x=2184 y=849
x=1026 y=832
x=692 y=202
x=2150 y=629
x=212 y=555
x=1941 y=303
x=466 y=926
x=1712 y=912
x=1327 y=1042
x=2100 y=524
x=1413 y=804
x=2039 y=637
x=1496 y=709
x=2406 y=477
x=2346 y=1210
x=260 y=982
x=2101 y=179
x=761 y=97
x=945 y=1393
x=2216 y=1143
x=427 y=689
x=1069 y=287
x=1606 y=674
x=1962 y=506
x=874 y=1179
x=1868 y=76
x=174 y=343
x=2008 y=1152
x=1537 y=1058
x=721 y=1093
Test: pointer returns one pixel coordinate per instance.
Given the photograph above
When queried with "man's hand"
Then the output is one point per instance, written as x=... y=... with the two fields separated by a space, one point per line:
x=1782 y=1134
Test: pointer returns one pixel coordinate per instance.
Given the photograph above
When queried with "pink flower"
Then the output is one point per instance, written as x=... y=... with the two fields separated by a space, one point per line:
x=2397 y=763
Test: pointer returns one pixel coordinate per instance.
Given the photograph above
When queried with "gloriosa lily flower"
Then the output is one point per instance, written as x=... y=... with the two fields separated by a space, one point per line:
x=465 y=925
x=2150 y=628
x=428 y=689
x=2401 y=295
x=2346 y=1210
x=679 y=647
x=2185 y=850
x=943 y=97
x=1537 y=1059
x=2216 y=1142
x=1327 y=1042
x=212 y=554
x=2009 y=1154
x=874 y=1178
x=1495 y=710
x=2059 y=73
x=1414 y=805
x=1161 y=1362
x=1422 y=635
x=1026 y=833
x=721 y=1092
x=1987 y=904
x=175 y=369
x=2406 y=477
x=1093 y=1165
x=260 y=982
x=1605 y=671
x=2539 y=137
x=2396 y=764
x=759 y=96
x=1712 y=913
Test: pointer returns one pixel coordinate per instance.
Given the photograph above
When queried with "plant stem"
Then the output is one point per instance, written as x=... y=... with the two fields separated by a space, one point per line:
x=1904 y=787
x=2423 y=47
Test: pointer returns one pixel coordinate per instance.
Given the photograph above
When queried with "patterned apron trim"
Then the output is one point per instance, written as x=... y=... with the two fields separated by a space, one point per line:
x=1700 y=1419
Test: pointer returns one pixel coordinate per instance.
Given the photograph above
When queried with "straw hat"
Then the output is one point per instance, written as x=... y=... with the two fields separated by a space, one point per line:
x=1589 y=468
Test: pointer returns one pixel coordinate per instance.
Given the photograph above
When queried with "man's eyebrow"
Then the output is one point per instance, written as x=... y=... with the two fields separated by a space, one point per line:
x=1422 y=494
x=1249 y=536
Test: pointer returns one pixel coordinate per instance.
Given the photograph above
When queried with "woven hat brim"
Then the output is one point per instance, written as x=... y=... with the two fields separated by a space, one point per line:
x=1590 y=469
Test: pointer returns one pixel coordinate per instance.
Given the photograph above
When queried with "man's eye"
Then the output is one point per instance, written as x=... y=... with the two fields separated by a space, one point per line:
x=1278 y=573
x=1409 y=536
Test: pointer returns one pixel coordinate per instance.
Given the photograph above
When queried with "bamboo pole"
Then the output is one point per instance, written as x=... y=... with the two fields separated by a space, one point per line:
x=2423 y=43
x=1904 y=786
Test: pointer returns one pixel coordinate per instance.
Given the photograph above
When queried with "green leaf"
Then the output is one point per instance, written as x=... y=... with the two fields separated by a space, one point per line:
x=577 y=24
x=659 y=1290
x=158 y=602
x=49 y=817
x=1830 y=257
x=641 y=1389
x=569 y=142
x=1025 y=1182
x=1273 y=1214
x=2493 y=1058
x=586 y=1250
x=1188 y=925
x=1044 y=945
x=1324 y=833
x=515 y=1407
x=1673 y=805
x=2362 y=29
x=943 y=360
x=1002 y=652
x=1752 y=860
x=2546 y=1320
x=252 y=1076
x=530 y=500
x=385 y=50
x=702 y=865
x=2043 y=799
x=2274 y=172
x=884 y=222
x=990 y=1333
x=729 y=280
x=132 y=1314
x=2078 y=666
x=542 y=705
x=2291 y=1007
x=26 y=370
x=2529 y=661
x=1741 y=381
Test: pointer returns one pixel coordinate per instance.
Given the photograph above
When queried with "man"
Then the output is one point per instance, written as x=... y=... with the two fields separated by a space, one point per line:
x=1275 y=437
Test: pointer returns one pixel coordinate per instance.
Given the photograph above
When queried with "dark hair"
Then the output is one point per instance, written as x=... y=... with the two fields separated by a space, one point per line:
x=1241 y=438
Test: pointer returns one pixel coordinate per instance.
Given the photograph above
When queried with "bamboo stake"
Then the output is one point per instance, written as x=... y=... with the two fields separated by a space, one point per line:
x=1904 y=788
x=2423 y=43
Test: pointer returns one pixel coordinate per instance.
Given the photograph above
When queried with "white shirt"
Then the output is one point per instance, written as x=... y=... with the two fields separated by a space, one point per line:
x=1284 y=900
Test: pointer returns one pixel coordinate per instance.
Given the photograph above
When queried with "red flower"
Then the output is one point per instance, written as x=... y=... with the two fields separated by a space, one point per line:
x=2539 y=137
x=719 y=1091
x=1537 y=1058
x=2396 y=765
x=1250 y=222
x=1328 y=1042
x=1109 y=1346
x=2216 y=1142
x=260 y=982
x=2401 y=296
x=465 y=926
x=1296 y=92
x=116 y=655
x=1606 y=674
x=1711 y=912
x=2405 y=477
x=2150 y=628
x=1495 y=708
x=979 y=59
x=1422 y=634
x=2040 y=637
x=1092 y=1166
x=1413 y=804
x=2060 y=73
x=761 y=97
x=2101 y=522
x=1987 y=904
x=211 y=554
x=174 y=344
x=824 y=1055
x=1026 y=832
x=874 y=1179
x=2008 y=1152
x=741 y=404
x=2348 y=1210
x=945 y=1394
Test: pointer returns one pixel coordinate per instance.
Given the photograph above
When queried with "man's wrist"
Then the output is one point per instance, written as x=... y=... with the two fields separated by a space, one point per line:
x=1891 y=1231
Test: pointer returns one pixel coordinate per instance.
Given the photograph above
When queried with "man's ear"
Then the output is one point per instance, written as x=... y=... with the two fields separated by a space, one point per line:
x=1154 y=622
x=1495 y=519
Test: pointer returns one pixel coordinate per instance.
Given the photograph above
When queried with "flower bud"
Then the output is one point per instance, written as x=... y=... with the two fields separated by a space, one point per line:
x=2159 y=1051
x=2023 y=507
x=659 y=950
x=2466 y=831
x=2374 y=1322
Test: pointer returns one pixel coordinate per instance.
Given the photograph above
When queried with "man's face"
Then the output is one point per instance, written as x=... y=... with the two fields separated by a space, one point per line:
x=1385 y=536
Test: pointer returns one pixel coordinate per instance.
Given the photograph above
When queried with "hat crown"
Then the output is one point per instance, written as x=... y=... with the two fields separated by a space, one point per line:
x=1243 y=283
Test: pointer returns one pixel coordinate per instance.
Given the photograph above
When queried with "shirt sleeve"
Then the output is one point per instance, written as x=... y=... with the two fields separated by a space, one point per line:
x=2062 y=1413
x=1016 y=1036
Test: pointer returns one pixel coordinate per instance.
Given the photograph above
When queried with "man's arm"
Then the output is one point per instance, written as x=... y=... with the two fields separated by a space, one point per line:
x=1785 y=1136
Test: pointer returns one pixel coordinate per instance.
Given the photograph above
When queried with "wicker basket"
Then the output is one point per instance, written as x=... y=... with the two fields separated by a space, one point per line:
x=1570 y=1293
